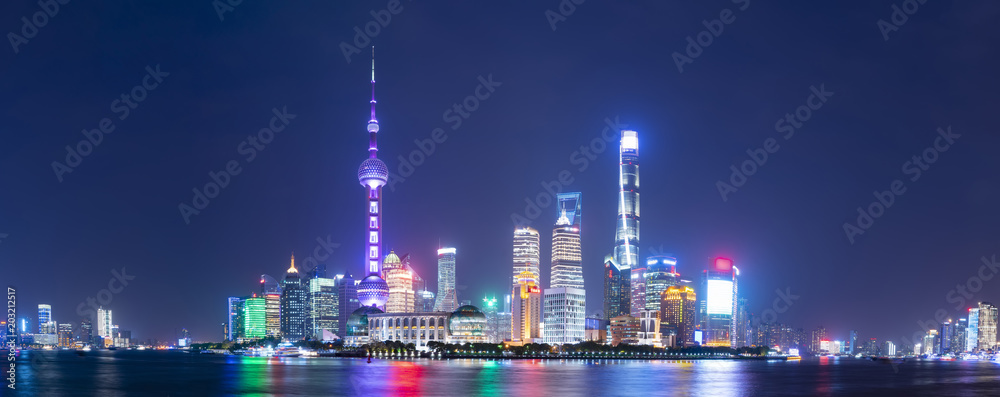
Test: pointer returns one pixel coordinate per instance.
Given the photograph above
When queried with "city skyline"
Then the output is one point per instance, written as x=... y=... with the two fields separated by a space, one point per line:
x=783 y=227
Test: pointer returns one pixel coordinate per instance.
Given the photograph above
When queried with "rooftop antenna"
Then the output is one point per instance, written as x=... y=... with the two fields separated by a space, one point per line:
x=373 y=84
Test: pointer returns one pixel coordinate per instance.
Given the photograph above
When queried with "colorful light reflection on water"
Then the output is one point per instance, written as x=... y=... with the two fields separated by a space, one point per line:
x=178 y=373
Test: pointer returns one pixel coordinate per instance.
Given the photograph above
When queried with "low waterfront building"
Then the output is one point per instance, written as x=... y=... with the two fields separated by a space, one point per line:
x=415 y=328
x=649 y=328
x=467 y=325
x=595 y=329
x=358 y=325
x=624 y=329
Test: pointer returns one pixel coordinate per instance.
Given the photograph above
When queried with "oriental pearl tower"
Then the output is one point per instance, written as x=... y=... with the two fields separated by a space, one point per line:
x=373 y=174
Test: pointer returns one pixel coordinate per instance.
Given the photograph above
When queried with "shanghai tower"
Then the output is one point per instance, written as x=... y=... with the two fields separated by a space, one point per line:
x=373 y=174
x=617 y=275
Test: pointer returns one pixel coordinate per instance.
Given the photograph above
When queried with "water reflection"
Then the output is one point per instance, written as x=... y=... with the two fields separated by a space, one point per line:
x=488 y=380
x=176 y=373
x=405 y=378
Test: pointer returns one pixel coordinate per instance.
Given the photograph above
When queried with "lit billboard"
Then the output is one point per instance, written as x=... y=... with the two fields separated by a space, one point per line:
x=720 y=297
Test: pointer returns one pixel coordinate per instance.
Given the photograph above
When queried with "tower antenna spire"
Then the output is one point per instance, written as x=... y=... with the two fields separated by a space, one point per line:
x=373 y=84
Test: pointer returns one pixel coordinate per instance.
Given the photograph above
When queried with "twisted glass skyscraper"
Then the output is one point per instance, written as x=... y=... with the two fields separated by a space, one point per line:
x=618 y=267
x=627 y=230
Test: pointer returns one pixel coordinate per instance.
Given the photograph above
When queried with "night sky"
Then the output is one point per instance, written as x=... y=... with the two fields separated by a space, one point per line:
x=221 y=78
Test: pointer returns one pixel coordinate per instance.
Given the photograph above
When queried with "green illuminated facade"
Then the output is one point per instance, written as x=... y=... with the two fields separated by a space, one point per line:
x=254 y=324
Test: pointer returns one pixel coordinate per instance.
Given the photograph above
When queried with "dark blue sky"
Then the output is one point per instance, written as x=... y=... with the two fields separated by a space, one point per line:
x=783 y=228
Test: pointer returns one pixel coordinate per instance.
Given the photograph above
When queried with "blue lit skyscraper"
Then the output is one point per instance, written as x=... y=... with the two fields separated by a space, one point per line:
x=720 y=285
x=972 y=331
x=373 y=174
x=618 y=268
x=627 y=229
x=45 y=319
x=234 y=320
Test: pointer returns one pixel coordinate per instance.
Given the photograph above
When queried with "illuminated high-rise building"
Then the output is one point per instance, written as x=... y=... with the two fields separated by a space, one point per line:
x=567 y=259
x=255 y=317
x=616 y=289
x=565 y=315
x=45 y=323
x=637 y=285
x=104 y=323
x=234 y=318
x=270 y=290
x=347 y=294
x=818 y=336
x=400 y=282
x=741 y=324
x=567 y=269
x=526 y=253
x=527 y=310
x=627 y=225
x=373 y=174
x=889 y=349
x=677 y=311
x=86 y=331
x=972 y=332
x=987 y=326
x=294 y=299
x=958 y=339
x=661 y=273
x=323 y=312
x=618 y=268
x=945 y=334
x=66 y=335
x=447 y=296
x=418 y=286
x=720 y=285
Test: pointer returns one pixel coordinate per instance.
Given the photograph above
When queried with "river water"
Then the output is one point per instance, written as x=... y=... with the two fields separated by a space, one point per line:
x=174 y=373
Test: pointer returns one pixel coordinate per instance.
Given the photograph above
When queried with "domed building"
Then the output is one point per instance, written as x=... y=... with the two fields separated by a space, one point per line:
x=467 y=325
x=357 y=325
x=400 y=282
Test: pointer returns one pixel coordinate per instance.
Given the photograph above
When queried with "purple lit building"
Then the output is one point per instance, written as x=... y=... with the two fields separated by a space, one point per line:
x=373 y=174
